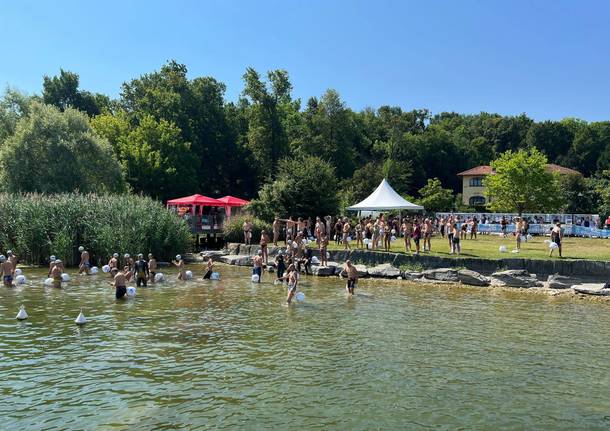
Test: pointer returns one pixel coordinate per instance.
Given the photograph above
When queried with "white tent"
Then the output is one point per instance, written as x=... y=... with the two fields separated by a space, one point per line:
x=385 y=198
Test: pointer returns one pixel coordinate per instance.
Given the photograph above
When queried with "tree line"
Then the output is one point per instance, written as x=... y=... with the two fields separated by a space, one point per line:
x=168 y=135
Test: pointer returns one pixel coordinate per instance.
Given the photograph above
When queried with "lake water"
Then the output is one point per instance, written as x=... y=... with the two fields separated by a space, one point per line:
x=229 y=355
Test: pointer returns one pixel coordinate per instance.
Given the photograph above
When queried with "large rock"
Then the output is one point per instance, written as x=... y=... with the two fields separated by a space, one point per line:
x=233 y=248
x=442 y=274
x=214 y=254
x=237 y=259
x=323 y=271
x=385 y=270
x=598 y=289
x=472 y=278
x=411 y=275
x=514 y=278
x=558 y=282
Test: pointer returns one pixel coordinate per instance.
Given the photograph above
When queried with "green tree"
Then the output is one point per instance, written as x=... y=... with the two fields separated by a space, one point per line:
x=303 y=187
x=433 y=197
x=522 y=182
x=13 y=106
x=577 y=195
x=53 y=152
x=552 y=138
x=62 y=91
x=157 y=161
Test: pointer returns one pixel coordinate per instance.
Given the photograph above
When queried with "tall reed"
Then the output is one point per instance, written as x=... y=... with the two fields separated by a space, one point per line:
x=35 y=226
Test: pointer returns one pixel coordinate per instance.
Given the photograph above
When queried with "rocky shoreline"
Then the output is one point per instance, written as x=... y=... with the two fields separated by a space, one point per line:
x=395 y=266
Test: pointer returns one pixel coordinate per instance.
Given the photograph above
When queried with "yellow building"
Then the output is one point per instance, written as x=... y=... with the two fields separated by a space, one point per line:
x=473 y=191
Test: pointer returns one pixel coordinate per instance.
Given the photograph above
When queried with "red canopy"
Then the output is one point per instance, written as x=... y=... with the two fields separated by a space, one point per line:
x=197 y=200
x=232 y=201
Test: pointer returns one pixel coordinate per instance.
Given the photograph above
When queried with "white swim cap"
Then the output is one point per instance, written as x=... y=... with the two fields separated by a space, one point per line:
x=259 y=252
x=140 y=256
x=81 y=248
x=57 y=261
x=9 y=252
x=52 y=258
x=178 y=257
x=126 y=256
x=115 y=255
x=2 y=258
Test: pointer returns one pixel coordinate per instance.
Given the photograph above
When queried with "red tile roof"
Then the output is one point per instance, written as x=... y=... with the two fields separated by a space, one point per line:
x=486 y=170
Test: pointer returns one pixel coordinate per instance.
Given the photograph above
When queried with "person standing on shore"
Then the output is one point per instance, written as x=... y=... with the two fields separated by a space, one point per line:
x=456 y=239
x=345 y=231
x=473 y=228
x=329 y=225
x=257 y=265
x=338 y=231
x=406 y=232
x=427 y=233
x=323 y=250
x=503 y=225
x=556 y=237
x=119 y=283
x=359 y=234
x=352 y=276
x=247 y=227
x=518 y=232
x=416 y=235
x=84 y=265
x=276 y=230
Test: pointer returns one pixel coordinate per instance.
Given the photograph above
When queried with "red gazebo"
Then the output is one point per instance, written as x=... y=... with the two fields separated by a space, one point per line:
x=195 y=201
x=232 y=201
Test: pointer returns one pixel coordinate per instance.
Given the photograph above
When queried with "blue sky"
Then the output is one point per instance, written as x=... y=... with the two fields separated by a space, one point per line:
x=549 y=59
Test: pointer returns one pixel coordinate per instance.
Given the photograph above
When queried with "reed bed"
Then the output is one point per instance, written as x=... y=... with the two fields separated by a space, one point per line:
x=36 y=226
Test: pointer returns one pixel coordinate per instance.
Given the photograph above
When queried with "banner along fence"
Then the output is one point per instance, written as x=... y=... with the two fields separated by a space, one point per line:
x=545 y=229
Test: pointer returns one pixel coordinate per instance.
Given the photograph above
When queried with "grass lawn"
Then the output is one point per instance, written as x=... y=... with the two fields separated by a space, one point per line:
x=487 y=246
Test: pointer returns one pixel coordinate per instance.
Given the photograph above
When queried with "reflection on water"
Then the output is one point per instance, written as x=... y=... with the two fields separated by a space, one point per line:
x=229 y=354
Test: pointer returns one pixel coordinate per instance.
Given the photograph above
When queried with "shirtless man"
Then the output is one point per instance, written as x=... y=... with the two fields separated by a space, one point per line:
x=346 y=228
x=407 y=228
x=114 y=261
x=247 y=227
x=209 y=269
x=51 y=264
x=257 y=262
x=292 y=278
x=141 y=270
x=323 y=248
x=276 y=230
x=427 y=233
x=263 y=243
x=152 y=267
x=556 y=237
x=12 y=258
x=55 y=273
x=352 y=276
x=119 y=283
x=7 y=271
x=84 y=261
x=179 y=263
x=318 y=229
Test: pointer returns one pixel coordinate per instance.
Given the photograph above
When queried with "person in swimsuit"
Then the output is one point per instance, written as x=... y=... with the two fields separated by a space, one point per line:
x=280 y=264
x=152 y=267
x=292 y=279
x=407 y=228
x=12 y=258
x=556 y=237
x=503 y=224
x=51 y=264
x=456 y=239
x=179 y=263
x=345 y=232
x=416 y=235
x=119 y=283
x=473 y=228
x=352 y=276
x=276 y=230
x=56 y=274
x=257 y=265
x=209 y=269
x=7 y=271
x=247 y=227
x=323 y=250
x=263 y=243
x=113 y=262
x=141 y=271
x=84 y=265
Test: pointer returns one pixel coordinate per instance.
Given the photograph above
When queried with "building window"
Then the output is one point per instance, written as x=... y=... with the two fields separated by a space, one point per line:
x=476 y=182
x=477 y=201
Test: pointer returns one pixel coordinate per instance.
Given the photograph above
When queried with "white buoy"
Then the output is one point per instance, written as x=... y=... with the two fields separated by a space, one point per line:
x=547 y=241
x=80 y=320
x=515 y=251
x=18 y=271
x=65 y=277
x=553 y=245
x=315 y=260
x=300 y=296
x=131 y=291
x=328 y=255
x=503 y=249
x=106 y=269
x=529 y=237
x=22 y=315
x=94 y=270
x=393 y=238
x=215 y=276
x=255 y=278
x=20 y=279
x=48 y=282
x=349 y=238
x=159 y=277
x=189 y=275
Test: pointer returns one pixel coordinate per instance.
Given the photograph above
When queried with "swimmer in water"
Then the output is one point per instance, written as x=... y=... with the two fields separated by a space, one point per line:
x=152 y=267
x=141 y=271
x=179 y=263
x=352 y=276
x=52 y=260
x=119 y=283
x=7 y=271
x=84 y=265
x=56 y=273
x=292 y=279
x=209 y=270
x=257 y=262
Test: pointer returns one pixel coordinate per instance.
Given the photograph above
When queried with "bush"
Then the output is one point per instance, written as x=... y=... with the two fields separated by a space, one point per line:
x=36 y=226
x=234 y=231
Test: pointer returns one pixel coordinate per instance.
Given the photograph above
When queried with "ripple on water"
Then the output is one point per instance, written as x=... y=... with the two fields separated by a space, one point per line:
x=230 y=355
